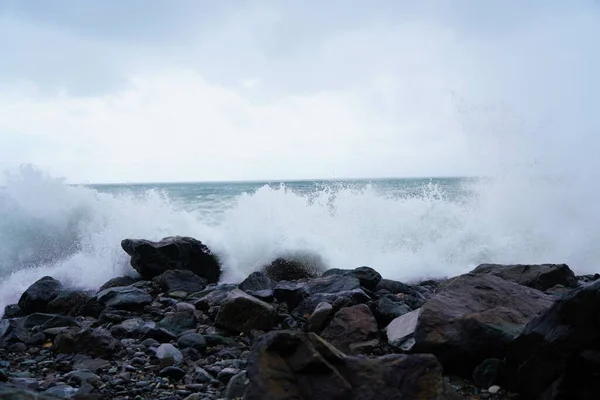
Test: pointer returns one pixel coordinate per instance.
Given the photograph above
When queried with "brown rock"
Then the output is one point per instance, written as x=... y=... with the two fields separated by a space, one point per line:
x=351 y=325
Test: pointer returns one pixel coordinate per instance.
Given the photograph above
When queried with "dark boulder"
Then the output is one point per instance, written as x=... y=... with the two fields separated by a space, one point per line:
x=293 y=365
x=367 y=276
x=151 y=259
x=257 y=281
x=180 y=280
x=12 y=311
x=540 y=277
x=388 y=308
x=338 y=300
x=393 y=287
x=292 y=269
x=241 y=312
x=119 y=281
x=557 y=356
x=473 y=317
x=332 y=284
x=124 y=298
x=290 y=293
x=132 y=328
x=92 y=341
x=319 y=318
x=69 y=302
x=350 y=328
x=211 y=298
x=193 y=340
x=38 y=295
x=178 y=322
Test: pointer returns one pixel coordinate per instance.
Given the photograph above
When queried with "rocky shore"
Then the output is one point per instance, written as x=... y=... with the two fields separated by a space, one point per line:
x=291 y=331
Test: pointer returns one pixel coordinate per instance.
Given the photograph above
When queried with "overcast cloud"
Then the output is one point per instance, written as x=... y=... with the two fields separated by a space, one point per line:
x=117 y=91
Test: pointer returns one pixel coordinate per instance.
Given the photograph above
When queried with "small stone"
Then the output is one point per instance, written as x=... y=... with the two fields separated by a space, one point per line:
x=193 y=340
x=150 y=343
x=494 y=389
x=168 y=355
x=185 y=307
x=226 y=374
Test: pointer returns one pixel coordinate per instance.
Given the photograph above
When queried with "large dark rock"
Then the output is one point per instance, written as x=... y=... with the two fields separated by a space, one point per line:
x=367 y=276
x=69 y=302
x=213 y=297
x=125 y=298
x=119 y=281
x=540 y=277
x=337 y=300
x=393 y=287
x=291 y=365
x=241 y=312
x=151 y=259
x=178 y=322
x=474 y=317
x=293 y=269
x=38 y=295
x=180 y=280
x=388 y=308
x=290 y=293
x=557 y=356
x=332 y=284
x=132 y=328
x=350 y=328
x=95 y=342
x=257 y=281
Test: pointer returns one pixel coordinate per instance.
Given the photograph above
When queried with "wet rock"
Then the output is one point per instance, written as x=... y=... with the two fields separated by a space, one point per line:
x=212 y=298
x=473 y=317
x=172 y=373
x=290 y=293
x=19 y=393
x=288 y=269
x=557 y=354
x=400 y=332
x=178 y=322
x=12 y=311
x=241 y=312
x=351 y=326
x=294 y=365
x=393 y=287
x=236 y=386
x=168 y=355
x=92 y=364
x=487 y=373
x=38 y=295
x=332 y=284
x=264 y=295
x=387 y=309
x=180 y=280
x=93 y=341
x=368 y=277
x=257 y=281
x=337 y=300
x=161 y=335
x=193 y=340
x=69 y=302
x=151 y=259
x=119 y=282
x=319 y=317
x=540 y=277
x=82 y=376
x=125 y=298
x=3 y=375
x=132 y=328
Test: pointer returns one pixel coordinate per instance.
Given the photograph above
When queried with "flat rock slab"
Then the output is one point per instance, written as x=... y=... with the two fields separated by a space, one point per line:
x=537 y=276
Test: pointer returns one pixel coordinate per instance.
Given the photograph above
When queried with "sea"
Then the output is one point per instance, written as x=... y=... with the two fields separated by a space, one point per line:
x=407 y=229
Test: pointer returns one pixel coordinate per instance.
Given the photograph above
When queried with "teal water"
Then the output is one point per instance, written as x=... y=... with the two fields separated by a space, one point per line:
x=407 y=229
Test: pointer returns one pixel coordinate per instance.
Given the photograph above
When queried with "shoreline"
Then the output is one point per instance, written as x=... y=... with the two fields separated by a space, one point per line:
x=177 y=333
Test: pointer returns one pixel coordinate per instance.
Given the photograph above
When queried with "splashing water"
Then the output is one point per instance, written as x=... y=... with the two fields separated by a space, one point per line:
x=73 y=233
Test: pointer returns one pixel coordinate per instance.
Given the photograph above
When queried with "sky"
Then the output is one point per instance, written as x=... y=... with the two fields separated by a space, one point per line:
x=194 y=90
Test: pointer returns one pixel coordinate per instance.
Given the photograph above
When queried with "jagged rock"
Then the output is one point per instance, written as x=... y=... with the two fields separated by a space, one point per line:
x=125 y=298
x=540 y=277
x=332 y=284
x=400 y=332
x=350 y=327
x=12 y=311
x=473 y=317
x=293 y=365
x=119 y=281
x=557 y=356
x=367 y=276
x=180 y=280
x=212 y=298
x=290 y=293
x=151 y=259
x=387 y=309
x=69 y=302
x=38 y=295
x=257 y=281
x=319 y=317
x=46 y=321
x=178 y=322
x=241 y=312
x=93 y=341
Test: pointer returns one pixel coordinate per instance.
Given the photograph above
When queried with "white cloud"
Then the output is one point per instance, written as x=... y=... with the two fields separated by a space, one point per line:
x=264 y=95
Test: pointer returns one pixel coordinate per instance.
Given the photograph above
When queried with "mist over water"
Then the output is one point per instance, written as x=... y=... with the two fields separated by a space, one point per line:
x=405 y=229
